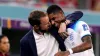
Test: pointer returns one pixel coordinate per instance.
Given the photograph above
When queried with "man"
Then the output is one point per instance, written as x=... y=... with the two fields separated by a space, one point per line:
x=78 y=43
x=4 y=45
x=38 y=41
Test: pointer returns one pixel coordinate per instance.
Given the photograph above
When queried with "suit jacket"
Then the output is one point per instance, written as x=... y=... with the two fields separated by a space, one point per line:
x=28 y=45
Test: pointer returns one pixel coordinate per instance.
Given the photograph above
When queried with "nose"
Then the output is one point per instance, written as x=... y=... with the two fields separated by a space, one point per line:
x=52 y=22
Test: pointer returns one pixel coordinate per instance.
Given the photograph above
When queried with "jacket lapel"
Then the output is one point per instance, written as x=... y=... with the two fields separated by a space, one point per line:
x=32 y=43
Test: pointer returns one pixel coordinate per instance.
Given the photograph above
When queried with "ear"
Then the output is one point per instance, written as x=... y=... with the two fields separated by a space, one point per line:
x=36 y=26
x=61 y=12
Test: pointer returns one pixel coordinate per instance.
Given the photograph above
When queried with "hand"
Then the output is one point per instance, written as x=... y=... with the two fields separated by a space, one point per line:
x=62 y=30
x=67 y=22
x=59 y=53
x=66 y=53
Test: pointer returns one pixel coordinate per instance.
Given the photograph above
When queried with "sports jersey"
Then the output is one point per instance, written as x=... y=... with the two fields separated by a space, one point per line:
x=77 y=31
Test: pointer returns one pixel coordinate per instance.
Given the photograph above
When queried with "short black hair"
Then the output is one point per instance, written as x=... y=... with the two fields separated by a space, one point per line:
x=53 y=9
x=2 y=36
x=34 y=17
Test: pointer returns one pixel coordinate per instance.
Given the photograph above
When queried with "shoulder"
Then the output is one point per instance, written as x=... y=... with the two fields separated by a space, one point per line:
x=80 y=23
x=77 y=25
x=26 y=37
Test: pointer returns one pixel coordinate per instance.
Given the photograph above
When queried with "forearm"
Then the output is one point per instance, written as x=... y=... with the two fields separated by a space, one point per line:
x=87 y=44
x=84 y=46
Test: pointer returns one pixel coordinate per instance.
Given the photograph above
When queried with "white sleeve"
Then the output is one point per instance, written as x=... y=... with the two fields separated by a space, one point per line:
x=83 y=29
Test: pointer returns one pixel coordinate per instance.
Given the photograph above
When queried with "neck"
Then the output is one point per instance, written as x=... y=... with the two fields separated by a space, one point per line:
x=38 y=31
x=3 y=53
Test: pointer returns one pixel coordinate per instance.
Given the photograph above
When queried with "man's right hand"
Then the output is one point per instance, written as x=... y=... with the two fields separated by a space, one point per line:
x=62 y=30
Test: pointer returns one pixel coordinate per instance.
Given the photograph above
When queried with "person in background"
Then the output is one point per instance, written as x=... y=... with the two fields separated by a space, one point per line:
x=4 y=45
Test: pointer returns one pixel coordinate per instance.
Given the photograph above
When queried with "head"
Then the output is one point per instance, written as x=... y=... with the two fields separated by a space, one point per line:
x=39 y=20
x=56 y=15
x=4 y=44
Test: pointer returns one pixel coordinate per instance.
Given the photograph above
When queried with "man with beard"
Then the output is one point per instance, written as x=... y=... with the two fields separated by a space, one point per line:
x=38 y=41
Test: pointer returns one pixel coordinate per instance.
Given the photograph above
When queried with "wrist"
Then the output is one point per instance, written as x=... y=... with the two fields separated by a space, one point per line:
x=70 y=51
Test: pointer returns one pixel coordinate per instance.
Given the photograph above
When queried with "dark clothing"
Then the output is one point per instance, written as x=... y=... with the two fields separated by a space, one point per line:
x=28 y=44
x=54 y=32
x=2 y=54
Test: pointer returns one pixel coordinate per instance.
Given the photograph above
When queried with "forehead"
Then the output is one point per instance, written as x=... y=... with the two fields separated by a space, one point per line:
x=4 y=39
x=44 y=19
x=54 y=15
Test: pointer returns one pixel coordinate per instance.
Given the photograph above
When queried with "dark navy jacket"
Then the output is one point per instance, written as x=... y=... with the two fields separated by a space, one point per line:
x=28 y=45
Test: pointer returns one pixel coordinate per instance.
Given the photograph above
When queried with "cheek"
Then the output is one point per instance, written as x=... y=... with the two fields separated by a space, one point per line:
x=57 y=24
x=43 y=27
x=5 y=46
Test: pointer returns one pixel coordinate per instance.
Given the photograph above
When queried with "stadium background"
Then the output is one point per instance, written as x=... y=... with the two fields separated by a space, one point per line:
x=14 y=14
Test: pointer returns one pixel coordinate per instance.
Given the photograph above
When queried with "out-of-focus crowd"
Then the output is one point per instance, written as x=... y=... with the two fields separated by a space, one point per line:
x=70 y=4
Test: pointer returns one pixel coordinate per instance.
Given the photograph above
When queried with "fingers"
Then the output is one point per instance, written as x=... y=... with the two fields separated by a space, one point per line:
x=61 y=54
x=64 y=35
x=62 y=28
x=57 y=54
x=62 y=31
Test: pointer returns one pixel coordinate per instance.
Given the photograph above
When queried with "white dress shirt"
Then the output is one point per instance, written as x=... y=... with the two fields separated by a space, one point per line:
x=46 y=44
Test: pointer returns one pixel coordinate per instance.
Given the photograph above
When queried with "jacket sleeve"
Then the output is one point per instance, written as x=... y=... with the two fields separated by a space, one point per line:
x=59 y=39
x=24 y=48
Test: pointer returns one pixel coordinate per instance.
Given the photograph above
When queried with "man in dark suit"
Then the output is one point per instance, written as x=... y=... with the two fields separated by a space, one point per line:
x=38 y=41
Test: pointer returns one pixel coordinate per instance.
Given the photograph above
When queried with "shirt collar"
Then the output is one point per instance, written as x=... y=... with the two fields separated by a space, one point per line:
x=36 y=35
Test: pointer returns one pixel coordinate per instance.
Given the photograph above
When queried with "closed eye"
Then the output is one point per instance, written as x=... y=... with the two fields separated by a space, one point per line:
x=53 y=18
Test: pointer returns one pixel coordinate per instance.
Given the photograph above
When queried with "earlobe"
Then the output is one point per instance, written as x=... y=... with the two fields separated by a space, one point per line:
x=61 y=12
x=36 y=27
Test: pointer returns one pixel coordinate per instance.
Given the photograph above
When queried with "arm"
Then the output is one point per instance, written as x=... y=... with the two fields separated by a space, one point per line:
x=85 y=36
x=54 y=32
x=87 y=44
x=70 y=18
x=23 y=48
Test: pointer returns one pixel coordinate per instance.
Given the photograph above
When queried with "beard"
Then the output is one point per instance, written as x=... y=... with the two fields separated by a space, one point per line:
x=42 y=30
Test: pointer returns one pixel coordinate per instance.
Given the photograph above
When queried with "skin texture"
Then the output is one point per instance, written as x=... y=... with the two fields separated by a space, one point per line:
x=4 y=45
x=87 y=44
x=43 y=27
x=57 y=20
x=44 y=23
